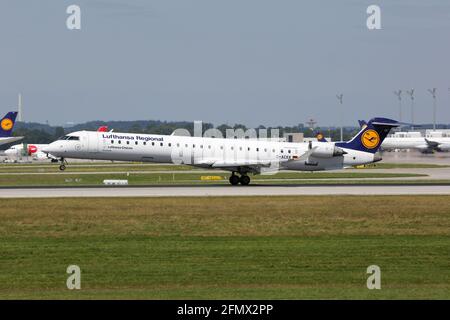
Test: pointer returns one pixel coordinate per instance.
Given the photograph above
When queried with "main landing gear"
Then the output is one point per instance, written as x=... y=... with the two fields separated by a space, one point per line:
x=62 y=167
x=243 y=179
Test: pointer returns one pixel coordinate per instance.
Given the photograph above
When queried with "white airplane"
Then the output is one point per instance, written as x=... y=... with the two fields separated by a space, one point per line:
x=6 y=127
x=425 y=145
x=239 y=156
x=29 y=150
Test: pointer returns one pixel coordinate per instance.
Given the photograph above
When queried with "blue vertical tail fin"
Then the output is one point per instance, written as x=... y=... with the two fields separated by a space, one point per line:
x=371 y=135
x=7 y=124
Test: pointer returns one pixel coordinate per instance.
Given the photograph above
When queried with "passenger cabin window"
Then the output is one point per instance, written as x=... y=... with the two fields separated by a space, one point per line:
x=170 y=144
x=112 y=141
x=145 y=143
x=136 y=143
x=161 y=144
x=119 y=142
x=153 y=143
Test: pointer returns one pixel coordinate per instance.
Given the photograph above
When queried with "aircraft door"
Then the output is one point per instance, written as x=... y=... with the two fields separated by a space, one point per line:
x=92 y=142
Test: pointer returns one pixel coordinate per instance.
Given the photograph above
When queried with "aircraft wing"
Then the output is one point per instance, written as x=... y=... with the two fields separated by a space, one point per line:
x=255 y=166
x=9 y=140
x=305 y=156
x=432 y=144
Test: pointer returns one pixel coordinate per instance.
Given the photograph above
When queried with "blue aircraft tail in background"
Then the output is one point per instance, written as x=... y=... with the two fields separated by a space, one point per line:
x=7 y=124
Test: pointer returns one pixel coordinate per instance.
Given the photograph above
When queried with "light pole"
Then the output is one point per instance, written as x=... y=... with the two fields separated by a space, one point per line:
x=399 y=96
x=340 y=97
x=411 y=95
x=433 y=94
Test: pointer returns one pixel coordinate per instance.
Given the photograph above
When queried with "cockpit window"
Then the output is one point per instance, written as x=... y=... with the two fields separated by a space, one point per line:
x=69 y=138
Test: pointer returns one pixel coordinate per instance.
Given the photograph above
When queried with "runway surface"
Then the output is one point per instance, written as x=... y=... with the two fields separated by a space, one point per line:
x=225 y=190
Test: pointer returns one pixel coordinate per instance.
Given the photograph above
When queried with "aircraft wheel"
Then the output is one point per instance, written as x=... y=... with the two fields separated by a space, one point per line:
x=234 y=180
x=244 y=180
x=62 y=167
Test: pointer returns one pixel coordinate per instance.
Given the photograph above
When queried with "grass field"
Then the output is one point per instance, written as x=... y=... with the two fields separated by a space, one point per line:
x=383 y=165
x=93 y=167
x=83 y=179
x=45 y=167
x=208 y=248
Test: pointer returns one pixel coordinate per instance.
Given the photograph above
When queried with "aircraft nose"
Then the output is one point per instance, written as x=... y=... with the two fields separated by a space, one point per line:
x=51 y=148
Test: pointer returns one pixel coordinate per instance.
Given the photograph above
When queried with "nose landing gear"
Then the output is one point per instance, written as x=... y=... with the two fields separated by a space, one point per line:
x=243 y=179
x=62 y=167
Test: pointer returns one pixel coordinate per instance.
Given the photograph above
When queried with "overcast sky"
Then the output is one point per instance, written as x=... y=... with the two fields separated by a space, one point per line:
x=223 y=61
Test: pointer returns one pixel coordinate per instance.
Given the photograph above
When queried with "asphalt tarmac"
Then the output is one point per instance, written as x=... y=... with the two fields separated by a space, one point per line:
x=225 y=190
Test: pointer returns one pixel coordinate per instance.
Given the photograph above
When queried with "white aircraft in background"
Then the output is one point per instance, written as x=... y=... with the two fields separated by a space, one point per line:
x=239 y=156
x=34 y=151
x=425 y=145
x=6 y=127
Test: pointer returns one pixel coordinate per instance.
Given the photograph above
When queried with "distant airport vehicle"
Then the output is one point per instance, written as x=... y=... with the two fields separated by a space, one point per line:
x=6 y=128
x=239 y=156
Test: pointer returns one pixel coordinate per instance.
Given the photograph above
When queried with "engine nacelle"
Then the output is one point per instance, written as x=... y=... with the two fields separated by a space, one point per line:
x=326 y=150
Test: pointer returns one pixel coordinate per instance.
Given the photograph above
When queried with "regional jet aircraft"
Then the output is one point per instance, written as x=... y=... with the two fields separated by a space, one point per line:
x=424 y=145
x=239 y=156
